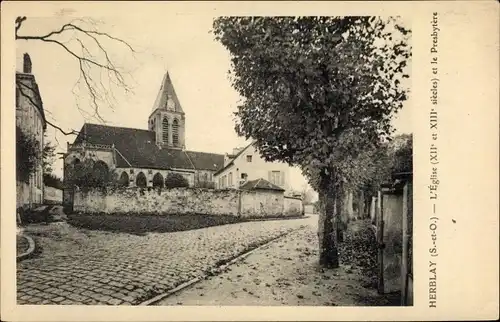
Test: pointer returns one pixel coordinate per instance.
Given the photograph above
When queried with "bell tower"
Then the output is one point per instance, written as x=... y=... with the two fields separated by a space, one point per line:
x=167 y=118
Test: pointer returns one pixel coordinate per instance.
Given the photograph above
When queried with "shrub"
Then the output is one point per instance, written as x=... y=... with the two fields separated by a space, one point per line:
x=90 y=174
x=50 y=180
x=206 y=184
x=175 y=180
x=28 y=156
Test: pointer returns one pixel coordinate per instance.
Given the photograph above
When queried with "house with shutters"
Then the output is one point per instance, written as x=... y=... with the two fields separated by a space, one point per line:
x=246 y=164
x=143 y=158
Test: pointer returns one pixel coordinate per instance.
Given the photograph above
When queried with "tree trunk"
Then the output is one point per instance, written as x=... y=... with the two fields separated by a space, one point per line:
x=349 y=208
x=339 y=219
x=328 y=253
x=361 y=204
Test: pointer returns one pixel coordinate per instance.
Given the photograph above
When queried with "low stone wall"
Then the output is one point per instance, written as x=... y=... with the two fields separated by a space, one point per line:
x=155 y=201
x=52 y=195
x=22 y=194
x=393 y=240
x=293 y=207
x=183 y=201
x=261 y=204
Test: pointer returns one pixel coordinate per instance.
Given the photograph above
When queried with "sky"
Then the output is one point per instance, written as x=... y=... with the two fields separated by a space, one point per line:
x=180 y=43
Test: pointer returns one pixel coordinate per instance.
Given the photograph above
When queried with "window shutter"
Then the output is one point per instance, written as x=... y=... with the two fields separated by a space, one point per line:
x=283 y=178
x=269 y=176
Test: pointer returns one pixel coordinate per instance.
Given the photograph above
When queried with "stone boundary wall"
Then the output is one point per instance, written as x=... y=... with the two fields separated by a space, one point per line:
x=52 y=195
x=184 y=201
x=293 y=206
x=156 y=201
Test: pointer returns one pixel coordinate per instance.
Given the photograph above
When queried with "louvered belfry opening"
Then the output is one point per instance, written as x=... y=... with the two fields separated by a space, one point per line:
x=175 y=133
x=165 y=130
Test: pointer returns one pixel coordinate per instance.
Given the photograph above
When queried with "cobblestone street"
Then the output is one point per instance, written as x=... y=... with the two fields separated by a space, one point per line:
x=284 y=272
x=78 y=266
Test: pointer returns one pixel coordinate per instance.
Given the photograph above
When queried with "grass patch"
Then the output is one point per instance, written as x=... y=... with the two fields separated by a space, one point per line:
x=140 y=224
x=35 y=216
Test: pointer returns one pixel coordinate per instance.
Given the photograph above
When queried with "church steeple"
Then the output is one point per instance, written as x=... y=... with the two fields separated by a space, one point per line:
x=167 y=118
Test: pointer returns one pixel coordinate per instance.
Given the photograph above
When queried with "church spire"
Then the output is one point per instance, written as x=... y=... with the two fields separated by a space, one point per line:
x=167 y=98
x=167 y=118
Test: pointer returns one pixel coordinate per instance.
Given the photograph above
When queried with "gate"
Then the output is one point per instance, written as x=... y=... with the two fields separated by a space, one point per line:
x=68 y=200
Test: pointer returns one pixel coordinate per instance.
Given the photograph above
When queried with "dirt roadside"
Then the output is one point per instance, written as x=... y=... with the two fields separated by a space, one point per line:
x=284 y=272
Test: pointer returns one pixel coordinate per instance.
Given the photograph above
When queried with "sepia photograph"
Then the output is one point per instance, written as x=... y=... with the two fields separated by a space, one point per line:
x=214 y=160
x=225 y=161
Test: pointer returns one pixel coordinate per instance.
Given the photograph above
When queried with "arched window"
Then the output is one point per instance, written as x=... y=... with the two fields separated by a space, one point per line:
x=124 y=179
x=165 y=130
x=175 y=132
x=101 y=170
x=140 y=180
x=158 y=181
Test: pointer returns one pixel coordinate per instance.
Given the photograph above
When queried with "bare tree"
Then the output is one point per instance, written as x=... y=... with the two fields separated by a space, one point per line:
x=98 y=70
x=307 y=194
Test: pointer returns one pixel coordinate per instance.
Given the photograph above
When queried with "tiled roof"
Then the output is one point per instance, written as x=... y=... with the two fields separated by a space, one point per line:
x=137 y=148
x=261 y=184
x=233 y=158
x=206 y=161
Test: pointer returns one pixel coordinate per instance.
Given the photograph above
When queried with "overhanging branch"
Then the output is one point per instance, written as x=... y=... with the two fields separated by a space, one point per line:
x=30 y=99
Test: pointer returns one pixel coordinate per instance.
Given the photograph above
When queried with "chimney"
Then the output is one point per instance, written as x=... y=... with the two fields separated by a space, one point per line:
x=26 y=64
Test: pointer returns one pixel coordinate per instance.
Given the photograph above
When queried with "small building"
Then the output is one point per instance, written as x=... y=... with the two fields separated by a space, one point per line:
x=262 y=199
x=30 y=119
x=246 y=164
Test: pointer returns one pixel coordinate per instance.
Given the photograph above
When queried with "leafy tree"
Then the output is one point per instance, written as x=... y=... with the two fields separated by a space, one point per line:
x=49 y=156
x=90 y=174
x=51 y=180
x=28 y=155
x=402 y=153
x=318 y=92
x=175 y=180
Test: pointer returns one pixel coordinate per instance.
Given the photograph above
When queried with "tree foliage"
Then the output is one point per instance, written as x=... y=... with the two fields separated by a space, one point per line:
x=175 y=180
x=402 y=153
x=51 y=180
x=90 y=174
x=318 y=92
x=28 y=156
x=306 y=80
x=49 y=156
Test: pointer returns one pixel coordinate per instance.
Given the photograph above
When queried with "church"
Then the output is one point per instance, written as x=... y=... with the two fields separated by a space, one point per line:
x=143 y=158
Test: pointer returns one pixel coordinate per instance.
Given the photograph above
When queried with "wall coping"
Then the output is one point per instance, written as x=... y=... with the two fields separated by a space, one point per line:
x=296 y=198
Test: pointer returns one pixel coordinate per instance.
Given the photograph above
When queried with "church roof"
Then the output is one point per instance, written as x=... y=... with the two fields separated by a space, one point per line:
x=166 y=91
x=136 y=148
x=260 y=184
